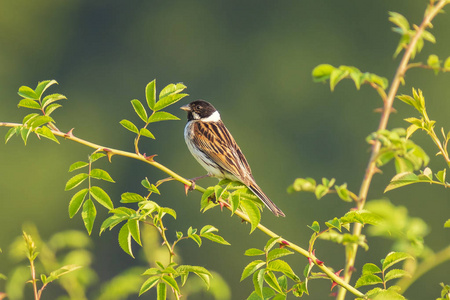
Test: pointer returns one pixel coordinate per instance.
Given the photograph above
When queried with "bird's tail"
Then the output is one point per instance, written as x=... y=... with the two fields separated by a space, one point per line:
x=270 y=205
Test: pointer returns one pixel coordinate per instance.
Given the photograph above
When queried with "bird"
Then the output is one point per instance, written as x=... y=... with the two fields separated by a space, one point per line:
x=213 y=146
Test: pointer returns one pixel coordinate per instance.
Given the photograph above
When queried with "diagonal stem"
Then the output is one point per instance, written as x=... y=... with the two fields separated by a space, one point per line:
x=371 y=168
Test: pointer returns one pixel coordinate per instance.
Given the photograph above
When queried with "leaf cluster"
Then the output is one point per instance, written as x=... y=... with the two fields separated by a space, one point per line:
x=83 y=198
x=237 y=196
x=168 y=96
x=265 y=271
x=373 y=275
x=39 y=123
x=396 y=145
x=320 y=190
x=326 y=72
x=407 y=33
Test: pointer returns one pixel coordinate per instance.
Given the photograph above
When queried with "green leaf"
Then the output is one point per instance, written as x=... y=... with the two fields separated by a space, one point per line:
x=170 y=281
x=101 y=196
x=161 y=291
x=96 y=156
x=52 y=98
x=167 y=210
x=43 y=86
x=24 y=134
x=131 y=198
x=251 y=268
x=272 y=281
x=254 y=252
x=258 y=281
x=335 y=223
x=277 y=253
x=76 y=202
x=283 y=267
x=368 y=279
x=441 y=175
x=60 y=272
x=129 y=125
x=370 y=268
x=447 y=64
x=322 y=72
x=51 y=108
x=125 y=239
x=402 y=179
x=315 y=226
x=47 y=133
x=171 y=89
x=208 y=229
x=139 y=109
x=88 y=214
x=150 y=94
x=133 y=226
x=111 y=222
x=101 y=174
x=395 y=257
x=75 y=181
x=196 y=238
x=27 y=103
x=252 y=212
x=270 y=243
x=395 y=273
x=28 y=93
x=145 y=132
x=77 y=165
x=10 y=133
x=215 y=238
x=336 y=76
x=161 y=116
x=169 y=100
x=148 y=284
x=399 y=20
x=447 y=224
x=40 y=120
x=343 y=192
x=235 y=201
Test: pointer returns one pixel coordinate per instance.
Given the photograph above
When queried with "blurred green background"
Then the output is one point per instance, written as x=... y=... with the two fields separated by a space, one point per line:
x=253 y=61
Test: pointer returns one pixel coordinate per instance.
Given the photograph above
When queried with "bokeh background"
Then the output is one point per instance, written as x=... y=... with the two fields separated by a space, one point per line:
x=253 y=61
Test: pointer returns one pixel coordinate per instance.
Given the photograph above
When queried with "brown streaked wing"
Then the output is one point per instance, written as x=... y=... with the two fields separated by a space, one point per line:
x=214 y=139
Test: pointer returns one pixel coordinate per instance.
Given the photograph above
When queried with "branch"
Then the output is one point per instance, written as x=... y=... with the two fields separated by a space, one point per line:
x=426 y=265
x=371 y=168
x=149 y=160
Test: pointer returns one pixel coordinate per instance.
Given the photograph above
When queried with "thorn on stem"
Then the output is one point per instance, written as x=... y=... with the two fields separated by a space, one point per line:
x=69 y=133
x=149 y=158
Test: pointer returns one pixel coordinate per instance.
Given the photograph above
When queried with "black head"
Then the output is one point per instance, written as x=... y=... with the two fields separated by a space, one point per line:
x=199 y=109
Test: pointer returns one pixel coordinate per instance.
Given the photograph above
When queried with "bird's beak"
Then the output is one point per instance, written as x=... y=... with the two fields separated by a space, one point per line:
x=186 y=107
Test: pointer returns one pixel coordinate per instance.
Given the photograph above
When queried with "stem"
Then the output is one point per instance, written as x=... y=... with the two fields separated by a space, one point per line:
x=371 y=168
x=426 y=265
x=33 y=278
x=175 y=176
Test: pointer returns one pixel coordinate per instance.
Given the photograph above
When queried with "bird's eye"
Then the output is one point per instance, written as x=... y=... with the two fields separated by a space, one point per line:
x=198 y=107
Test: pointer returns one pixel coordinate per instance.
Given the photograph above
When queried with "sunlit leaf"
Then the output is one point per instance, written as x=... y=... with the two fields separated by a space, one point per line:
x=139 y=109
x=101 y=196
x=129 y=125
x=125 y=239
x=75 y=181
x=88 y=215
x=395 y=257
x=76 y=202
x=161 y=116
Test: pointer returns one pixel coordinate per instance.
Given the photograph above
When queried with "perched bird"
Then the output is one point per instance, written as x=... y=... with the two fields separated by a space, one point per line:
x=213 y=146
